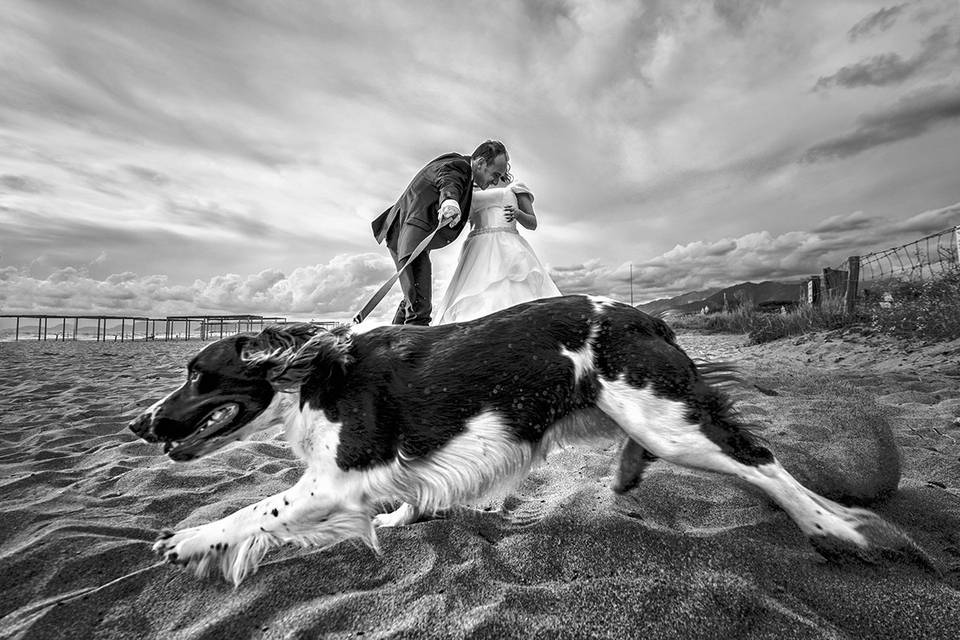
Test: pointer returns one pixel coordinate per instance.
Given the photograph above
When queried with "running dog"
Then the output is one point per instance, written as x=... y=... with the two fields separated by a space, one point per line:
x=436 y=416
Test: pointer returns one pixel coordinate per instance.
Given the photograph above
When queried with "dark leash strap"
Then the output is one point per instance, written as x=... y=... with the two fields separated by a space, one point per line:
x=386 y=286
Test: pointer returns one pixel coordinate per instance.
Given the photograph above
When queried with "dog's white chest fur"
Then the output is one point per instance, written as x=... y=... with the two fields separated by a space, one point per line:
x=313 y=438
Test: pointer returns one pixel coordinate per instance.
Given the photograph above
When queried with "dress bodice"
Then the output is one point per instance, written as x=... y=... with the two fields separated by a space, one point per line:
x=487 y=212
x=497 y=267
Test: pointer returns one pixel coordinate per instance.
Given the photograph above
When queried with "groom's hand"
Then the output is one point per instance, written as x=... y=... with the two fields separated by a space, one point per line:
x=449 y=212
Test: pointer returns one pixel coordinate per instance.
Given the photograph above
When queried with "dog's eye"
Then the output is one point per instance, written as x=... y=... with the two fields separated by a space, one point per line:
x=194 y=376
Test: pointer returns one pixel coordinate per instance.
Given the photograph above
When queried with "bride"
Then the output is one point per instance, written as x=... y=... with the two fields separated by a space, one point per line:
x=497 y=267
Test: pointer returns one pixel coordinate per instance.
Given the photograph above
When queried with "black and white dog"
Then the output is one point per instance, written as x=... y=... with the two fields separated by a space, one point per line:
x=435 y=416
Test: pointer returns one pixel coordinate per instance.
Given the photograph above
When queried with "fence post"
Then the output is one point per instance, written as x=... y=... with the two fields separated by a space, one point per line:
x=853 y=279
x=956 y=239
x=813 y=291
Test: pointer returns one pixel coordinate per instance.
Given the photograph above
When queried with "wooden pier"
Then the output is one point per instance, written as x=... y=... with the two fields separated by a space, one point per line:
x=202 y=327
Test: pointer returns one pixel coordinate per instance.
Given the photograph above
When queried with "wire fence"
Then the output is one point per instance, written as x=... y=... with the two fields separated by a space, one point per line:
x=866 y=277
x=927 y=257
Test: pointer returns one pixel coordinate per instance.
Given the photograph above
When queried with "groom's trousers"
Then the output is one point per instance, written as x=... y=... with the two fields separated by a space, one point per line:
x=417 y=284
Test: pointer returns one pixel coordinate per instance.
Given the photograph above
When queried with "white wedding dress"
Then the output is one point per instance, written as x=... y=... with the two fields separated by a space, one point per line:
x=497 y=267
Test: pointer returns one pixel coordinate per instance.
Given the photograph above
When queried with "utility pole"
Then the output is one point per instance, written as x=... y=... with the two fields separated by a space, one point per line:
x=631 y=284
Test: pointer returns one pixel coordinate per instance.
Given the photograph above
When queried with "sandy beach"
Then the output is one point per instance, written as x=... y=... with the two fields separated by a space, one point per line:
x=685 y=555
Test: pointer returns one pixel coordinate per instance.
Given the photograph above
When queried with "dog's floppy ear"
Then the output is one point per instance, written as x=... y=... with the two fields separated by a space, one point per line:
x=293 y=353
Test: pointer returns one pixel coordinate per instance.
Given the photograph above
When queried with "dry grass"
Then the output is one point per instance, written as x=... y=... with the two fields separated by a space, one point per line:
x=764 y=327
x=928 y=310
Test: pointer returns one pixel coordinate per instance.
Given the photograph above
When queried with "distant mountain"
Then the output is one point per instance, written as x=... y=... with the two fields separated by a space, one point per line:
x=713 y=299
x=662 y=304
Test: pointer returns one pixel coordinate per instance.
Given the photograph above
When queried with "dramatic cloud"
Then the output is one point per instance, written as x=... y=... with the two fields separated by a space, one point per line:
x=212 y=216
x=148 y=175
x=879 y=70
x=331 y=291
x=23 y=184
x=179 y=239
x=197 y=140
x=876 y=22
x=910 y=117
x=336 y=290
x=929 y=222
x=845 y=222
x=890 y=68
x=757 y=256
x=738 y=14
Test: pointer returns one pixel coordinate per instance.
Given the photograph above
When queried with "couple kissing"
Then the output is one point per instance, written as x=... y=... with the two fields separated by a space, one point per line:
x=497 y=267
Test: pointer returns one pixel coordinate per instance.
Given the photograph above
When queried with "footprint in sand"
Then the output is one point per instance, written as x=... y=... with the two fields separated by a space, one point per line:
x=523 y=511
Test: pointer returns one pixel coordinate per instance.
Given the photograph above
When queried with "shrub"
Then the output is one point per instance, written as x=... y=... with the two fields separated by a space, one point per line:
x=928 y=309
x=764 y=327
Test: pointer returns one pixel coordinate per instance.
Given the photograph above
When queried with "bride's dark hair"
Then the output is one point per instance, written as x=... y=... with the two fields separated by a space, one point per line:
x=507 y=177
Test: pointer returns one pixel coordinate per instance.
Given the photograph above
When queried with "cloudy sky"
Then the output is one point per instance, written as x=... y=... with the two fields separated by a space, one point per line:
x=173 y=157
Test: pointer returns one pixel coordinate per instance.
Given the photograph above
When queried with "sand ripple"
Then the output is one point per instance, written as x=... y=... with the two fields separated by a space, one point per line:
x=685 y=555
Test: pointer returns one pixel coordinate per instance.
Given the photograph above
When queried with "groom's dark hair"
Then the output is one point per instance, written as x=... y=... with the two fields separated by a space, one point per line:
x=489 y=151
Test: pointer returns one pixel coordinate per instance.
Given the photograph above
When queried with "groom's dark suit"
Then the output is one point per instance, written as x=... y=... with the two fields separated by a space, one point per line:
x=413 y=217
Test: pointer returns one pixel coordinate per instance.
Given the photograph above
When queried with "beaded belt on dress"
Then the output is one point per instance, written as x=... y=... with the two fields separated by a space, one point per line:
x=477 y=232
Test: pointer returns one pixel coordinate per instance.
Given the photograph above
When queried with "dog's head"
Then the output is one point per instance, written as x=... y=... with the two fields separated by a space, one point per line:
x=239 y=385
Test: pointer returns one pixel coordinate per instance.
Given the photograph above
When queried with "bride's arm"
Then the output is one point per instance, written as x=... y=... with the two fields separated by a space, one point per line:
x=524 y=213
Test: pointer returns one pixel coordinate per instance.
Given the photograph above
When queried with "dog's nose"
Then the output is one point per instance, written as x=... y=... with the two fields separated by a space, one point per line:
x=142 y=425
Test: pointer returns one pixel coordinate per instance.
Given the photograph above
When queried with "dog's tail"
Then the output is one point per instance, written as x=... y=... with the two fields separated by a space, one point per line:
x=721 y=374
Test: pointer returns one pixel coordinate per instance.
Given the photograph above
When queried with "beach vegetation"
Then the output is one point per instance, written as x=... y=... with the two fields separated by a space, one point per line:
x=927 y=309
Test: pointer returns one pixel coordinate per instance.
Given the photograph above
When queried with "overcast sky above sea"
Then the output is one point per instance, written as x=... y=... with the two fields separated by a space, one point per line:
x=197 y=157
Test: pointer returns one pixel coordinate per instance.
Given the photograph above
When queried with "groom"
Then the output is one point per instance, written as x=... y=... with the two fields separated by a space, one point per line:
x=440 y=192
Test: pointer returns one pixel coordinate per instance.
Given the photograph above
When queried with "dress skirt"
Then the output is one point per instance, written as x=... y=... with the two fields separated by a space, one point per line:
x=497 y=269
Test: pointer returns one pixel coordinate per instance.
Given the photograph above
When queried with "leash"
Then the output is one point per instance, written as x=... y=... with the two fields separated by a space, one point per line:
x=32 y=612
x=386 y=286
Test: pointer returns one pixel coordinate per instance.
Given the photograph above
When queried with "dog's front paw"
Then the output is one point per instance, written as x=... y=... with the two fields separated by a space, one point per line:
x=404 y=515
x=193 y=548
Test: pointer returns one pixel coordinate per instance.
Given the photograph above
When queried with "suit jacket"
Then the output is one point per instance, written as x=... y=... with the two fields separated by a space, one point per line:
x=417 y=210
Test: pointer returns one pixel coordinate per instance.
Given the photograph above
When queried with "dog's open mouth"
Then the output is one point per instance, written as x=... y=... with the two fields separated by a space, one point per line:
x=216 y=421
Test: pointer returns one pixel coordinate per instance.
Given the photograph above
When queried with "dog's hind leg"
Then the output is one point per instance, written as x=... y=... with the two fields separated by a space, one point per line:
x=700 y=433
x=634 y=460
